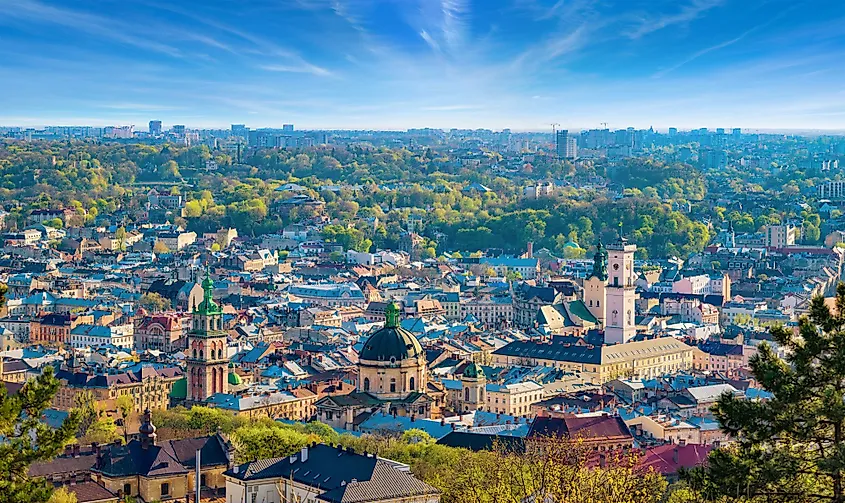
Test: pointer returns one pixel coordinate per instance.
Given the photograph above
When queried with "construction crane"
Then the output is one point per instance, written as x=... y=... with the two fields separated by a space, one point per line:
x=554 y=125
x=604 y=125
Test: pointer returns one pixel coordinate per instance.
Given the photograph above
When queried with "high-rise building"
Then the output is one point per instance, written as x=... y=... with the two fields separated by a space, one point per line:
x=620 y=293
x=179 y=130
x=287 y=128
x=720 y=130
x=673 y=131
x=240 y=130
x=715 y=159
x=155 y=128
x=207 y=360
x=566 y=147
x=736 y=132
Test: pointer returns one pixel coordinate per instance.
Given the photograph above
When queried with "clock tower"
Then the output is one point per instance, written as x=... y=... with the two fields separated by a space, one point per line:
x=207 y=359
x=621 y=293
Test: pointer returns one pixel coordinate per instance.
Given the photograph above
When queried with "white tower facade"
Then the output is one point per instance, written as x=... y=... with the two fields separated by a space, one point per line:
x=620 y=293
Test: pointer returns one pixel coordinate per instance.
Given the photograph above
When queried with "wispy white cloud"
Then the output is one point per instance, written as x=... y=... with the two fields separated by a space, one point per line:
x=255 y=44
x=33 y=11
x=687 y=13
x=430 y=41
x=700 y=53
x=454 y=22
x=304 y=68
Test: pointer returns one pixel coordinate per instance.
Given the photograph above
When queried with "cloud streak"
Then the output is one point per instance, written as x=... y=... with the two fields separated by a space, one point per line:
x=686 y=14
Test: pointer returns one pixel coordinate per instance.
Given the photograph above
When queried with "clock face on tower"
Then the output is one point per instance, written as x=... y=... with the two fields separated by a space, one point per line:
x=615 y=267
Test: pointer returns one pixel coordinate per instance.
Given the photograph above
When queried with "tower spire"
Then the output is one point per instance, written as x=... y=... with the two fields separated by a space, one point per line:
x=391 y=315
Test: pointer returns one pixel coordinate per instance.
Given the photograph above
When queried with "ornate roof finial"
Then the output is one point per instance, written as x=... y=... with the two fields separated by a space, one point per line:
x=391 y=315
x=147 y=430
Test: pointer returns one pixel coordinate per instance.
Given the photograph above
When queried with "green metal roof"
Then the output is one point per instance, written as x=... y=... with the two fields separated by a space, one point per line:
x=180 y=389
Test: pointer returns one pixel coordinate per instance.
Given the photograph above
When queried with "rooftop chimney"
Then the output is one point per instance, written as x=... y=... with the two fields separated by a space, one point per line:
x=303 y=454
x=675 y=455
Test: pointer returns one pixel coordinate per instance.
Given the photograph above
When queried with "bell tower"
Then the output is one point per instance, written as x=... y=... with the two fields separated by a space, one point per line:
x=473 y=385
x=594 y=287
x=207 y=359
x=621 y=293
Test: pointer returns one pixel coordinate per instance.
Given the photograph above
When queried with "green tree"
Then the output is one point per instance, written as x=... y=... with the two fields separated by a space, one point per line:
x=27 y=440
x=62 y=495
x=160 y=247
x=86 y=407
x=792 y=446
x=55 y=223
x=261 y=441
x=154 y=302
x=125 y=405
x=326 y=433
x=416 y=435
x=120 y=236
x=193 y=209
x=103 y=431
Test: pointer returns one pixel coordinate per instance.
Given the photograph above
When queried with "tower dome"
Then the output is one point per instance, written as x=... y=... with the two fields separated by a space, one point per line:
x=473 y=371
x=391 y=343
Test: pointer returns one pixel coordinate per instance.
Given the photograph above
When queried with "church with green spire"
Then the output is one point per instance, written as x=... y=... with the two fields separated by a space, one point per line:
x=207 y=359
x=595 y=296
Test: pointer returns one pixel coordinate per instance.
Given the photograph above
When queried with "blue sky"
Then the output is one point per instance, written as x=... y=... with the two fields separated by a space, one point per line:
x=394 y=64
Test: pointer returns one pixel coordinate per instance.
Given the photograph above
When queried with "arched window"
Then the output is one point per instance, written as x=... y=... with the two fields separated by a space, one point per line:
x=219 y=354
x=393 y=385
x=366 y=384
x=201 y=356
x=466 y=394
x=195 y=353
x=412 y=383
x=591 y=302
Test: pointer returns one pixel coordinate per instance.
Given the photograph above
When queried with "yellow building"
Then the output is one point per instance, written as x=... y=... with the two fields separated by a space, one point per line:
x=600 y=363
x=473 y=392
x=149 y=387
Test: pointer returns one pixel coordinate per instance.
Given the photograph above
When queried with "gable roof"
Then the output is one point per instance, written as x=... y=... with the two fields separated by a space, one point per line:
x=346 y=477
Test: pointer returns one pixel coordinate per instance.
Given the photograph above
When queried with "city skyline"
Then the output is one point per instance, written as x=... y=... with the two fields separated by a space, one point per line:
x=350 y=64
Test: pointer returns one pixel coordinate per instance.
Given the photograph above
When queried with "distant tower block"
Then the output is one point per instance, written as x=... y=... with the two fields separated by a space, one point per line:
x=621 y=293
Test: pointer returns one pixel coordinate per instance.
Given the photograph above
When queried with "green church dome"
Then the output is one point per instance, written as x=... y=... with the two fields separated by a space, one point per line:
x=391 y=343
x=473 y=371
x=234 y=379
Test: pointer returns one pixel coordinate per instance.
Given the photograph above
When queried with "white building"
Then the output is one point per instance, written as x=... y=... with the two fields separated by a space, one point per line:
x=620 y=325
x=122 y=336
